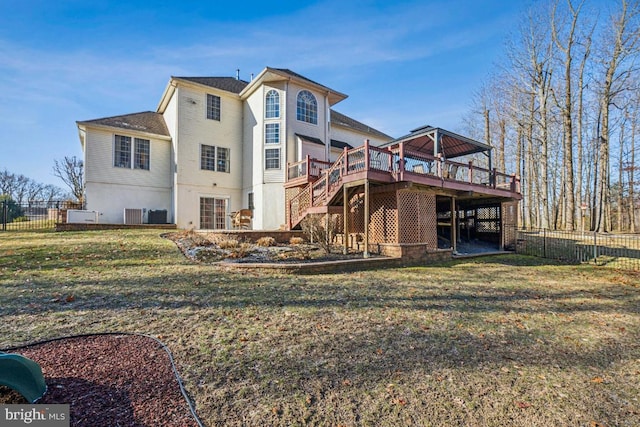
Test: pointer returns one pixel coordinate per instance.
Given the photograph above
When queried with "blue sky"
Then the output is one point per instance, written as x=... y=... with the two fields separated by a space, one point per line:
x=403 y=64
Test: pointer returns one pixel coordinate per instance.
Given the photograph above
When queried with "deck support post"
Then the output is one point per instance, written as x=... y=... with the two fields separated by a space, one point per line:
x=366 y=218
x=345 y=220
x=454 y=226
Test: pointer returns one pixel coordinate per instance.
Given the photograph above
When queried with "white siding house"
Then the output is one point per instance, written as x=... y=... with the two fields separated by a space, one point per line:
x=213 y=146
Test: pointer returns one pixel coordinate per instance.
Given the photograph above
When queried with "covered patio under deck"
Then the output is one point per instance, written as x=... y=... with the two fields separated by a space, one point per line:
x=409 y=192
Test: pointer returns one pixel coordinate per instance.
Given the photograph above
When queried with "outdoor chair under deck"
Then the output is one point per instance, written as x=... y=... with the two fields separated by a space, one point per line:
x=241 y=218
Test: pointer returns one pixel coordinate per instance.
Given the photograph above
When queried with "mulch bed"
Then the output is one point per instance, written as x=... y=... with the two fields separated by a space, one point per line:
x=109 y=380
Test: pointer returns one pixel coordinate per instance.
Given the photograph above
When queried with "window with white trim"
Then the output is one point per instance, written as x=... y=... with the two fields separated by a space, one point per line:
x=214 y=158
x=272 y=158
x=307 y=107
x=124 y=152
x=272 y=133
x=213 y=107
x=141 y=154
x=272 y=105
x=222 y=159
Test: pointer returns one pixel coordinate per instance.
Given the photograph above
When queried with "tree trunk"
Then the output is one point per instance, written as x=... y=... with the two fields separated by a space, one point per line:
x=620 y=222
x=632 y=170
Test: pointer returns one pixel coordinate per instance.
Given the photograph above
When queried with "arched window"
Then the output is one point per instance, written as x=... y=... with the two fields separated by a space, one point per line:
x=272 y=107
x=307 y=107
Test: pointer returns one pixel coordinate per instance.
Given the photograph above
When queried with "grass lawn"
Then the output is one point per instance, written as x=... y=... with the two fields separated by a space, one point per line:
x=502 y=341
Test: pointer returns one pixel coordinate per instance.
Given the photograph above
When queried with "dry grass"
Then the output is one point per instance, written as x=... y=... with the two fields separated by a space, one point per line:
x=509 y=340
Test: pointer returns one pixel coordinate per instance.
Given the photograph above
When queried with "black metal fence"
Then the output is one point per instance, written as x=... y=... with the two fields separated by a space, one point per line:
x=602 y=249
x=33 y=215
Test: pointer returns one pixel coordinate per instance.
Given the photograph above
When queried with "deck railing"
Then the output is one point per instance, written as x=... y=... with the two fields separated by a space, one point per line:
x=327 y=177
x=298 y=206
x=306 y=168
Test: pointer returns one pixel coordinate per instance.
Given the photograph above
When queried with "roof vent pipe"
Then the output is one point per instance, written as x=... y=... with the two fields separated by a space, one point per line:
x=251 y=76
x=237 y=73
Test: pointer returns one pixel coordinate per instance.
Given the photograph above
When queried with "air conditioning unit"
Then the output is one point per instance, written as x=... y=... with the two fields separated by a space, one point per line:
x=75 y=216
x=132 y=216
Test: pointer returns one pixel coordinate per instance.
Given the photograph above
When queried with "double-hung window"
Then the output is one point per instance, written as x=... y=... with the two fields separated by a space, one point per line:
x=271 y=137
x=214 y=158
x=272 y=158
x=272 y=133
x=141 y=154
x=213 y=107
x=124 y=152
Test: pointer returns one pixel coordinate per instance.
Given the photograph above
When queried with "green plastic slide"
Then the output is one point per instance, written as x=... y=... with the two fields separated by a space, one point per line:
x=22 y=375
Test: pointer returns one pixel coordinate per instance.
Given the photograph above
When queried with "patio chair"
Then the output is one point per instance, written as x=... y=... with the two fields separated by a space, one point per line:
x=450 y=172
x=242 y=218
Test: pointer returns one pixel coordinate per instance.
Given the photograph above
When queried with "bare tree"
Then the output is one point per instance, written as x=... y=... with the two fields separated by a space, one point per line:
x=619 y=47
x=53 y=193
x=566 y=104
x=71 y=171
x=7 y=183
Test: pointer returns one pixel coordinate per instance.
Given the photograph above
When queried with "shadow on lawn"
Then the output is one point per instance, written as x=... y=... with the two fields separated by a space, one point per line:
x=198 y=289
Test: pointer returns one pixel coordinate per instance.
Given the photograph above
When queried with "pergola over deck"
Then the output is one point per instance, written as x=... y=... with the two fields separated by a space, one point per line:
x=441 y=143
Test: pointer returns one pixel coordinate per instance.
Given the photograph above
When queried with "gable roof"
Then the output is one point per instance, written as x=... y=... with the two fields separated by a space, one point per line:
x=270 y=74
x=229 y=84
x=345 y=121
x=450 y=144
x=299 y=77
x=146 y=121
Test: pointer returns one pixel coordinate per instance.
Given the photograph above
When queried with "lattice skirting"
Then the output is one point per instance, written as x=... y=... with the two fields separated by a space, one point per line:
x=396 y=217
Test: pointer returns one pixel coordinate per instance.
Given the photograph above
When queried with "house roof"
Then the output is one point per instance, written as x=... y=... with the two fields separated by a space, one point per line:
x=340 y=144
x=345 y=121
x=229 y=84
x=299 y=77
x=450 y=144
x=310 y=139
x=270 y=74
x=146 y=121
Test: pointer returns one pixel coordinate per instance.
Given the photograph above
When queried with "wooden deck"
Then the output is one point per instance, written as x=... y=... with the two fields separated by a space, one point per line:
x=322 y=181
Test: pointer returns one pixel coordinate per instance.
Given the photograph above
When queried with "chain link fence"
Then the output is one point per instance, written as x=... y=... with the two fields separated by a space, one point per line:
x=602 y=249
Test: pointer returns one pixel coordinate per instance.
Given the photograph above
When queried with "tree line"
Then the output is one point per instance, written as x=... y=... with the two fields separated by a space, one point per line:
x=22 y=189
x=562 y=111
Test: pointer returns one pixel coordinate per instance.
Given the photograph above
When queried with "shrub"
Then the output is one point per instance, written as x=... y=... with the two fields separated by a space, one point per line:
x=228 y=244
x=321 y=229
x=296 y=240
x=14 y=211
x=266 y=241
x=241 y=251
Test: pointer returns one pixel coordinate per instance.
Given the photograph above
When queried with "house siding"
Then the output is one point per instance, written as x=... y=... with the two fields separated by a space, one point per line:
x=110 y=200
x=353 y=137
x=194 y=129
x=111 y=189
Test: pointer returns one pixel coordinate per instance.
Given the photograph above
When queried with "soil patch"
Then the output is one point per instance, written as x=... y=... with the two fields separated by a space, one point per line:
x=109 y=380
